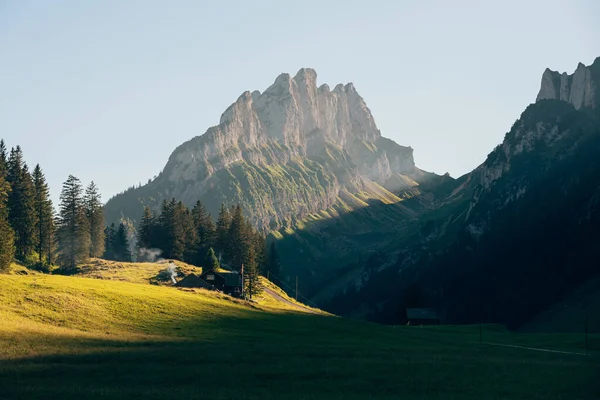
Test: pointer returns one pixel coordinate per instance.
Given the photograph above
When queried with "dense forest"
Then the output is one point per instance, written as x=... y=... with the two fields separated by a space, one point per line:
x=37 y=236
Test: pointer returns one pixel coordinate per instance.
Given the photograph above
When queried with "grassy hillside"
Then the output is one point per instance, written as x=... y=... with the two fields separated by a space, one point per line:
x=73 y=337
x=131 y=272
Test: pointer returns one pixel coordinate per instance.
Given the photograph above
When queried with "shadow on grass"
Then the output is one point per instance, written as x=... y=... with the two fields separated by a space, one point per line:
x=291 y=356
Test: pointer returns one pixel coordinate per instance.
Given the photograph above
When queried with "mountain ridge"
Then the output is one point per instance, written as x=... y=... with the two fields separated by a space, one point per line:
x=294 y=141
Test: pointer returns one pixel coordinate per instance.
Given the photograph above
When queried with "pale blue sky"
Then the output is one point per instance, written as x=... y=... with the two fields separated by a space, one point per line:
x=106 y=90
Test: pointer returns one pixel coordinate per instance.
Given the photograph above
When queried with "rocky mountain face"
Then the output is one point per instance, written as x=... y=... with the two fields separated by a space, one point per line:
x=581 y=89
x=284 y=154
x=512 y=237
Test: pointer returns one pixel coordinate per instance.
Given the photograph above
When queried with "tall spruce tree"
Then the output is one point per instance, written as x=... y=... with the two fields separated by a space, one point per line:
x=44 y=217
x=7 y=245
x=251 y=273
x=3 y=159
x=238 y=239
x=21 y=205
x=120 y=244
x=205 y=229
x=110 y=233
x=167 y=226
x=73 y=229
x=95 y=215
x=147 y=230
x=222 y=231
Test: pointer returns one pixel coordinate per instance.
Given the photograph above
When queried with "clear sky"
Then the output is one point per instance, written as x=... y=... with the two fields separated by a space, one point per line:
x=105 y=90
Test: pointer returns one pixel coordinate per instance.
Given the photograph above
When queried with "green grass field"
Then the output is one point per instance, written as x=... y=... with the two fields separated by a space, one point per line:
x=80 y=338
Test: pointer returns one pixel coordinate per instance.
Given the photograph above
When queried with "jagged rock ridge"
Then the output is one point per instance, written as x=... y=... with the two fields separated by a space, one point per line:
x=285 y=153
x=582 y=88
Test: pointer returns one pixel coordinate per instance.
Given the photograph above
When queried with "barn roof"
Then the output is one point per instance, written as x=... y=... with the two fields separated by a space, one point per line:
x=194 y=281
x=421 y=313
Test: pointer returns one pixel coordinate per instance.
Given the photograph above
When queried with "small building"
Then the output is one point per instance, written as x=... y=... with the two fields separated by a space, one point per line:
x=229 y=282
x=422 y=316
x=194 y=281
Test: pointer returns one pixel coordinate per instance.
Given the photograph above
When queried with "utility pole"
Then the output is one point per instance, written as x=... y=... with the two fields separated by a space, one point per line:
x=296 y=287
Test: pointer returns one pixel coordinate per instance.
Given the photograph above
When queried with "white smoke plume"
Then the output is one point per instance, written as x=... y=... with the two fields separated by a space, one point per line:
x=171 y=269
x=149 y=255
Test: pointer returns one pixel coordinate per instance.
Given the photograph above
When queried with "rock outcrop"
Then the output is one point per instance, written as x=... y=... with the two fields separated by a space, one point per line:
x=582 y=88
x=283 y=154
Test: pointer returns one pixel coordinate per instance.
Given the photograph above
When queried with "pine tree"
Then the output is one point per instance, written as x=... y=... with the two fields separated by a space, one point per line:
x=251 y=275
x=3 y=159
x=110 y=233
x=205 y=228
x=222 y=230
x=210 y=262
x=237 y=239
x=44 y=217
x=120 y=244
x=73 y=228
x=147 y=230
x=166 y=222
x=95 y=215
x=7 y=246
x=21 y=205
x=188 y=233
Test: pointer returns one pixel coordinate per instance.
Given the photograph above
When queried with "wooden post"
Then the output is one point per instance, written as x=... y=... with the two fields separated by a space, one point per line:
x=296 y=287
x=268 y=275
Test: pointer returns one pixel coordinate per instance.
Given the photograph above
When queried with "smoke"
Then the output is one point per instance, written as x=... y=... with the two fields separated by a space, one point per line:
x=171 y=269
x=149 y=255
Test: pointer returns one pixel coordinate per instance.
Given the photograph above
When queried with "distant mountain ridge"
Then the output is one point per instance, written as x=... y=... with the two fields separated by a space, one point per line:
x=511 y=238
x=286 y=153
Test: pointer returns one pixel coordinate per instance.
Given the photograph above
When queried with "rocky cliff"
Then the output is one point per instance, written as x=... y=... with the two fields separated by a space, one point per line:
x=284 y=154
x=582 y=88
x=514 y=236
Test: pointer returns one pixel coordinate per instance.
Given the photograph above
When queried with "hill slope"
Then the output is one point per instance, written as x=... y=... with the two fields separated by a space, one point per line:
x=71 y=338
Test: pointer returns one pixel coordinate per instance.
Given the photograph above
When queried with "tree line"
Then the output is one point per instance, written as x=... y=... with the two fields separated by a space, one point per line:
x=193 y=237
x=34 y=235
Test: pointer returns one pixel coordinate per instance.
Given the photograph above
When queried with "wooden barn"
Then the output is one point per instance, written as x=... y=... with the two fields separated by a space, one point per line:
x=227 y=282
x=194 y=281
x=422 y=316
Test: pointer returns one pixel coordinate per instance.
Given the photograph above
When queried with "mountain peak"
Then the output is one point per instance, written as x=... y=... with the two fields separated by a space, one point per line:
x=306 y=75
x=582 y=88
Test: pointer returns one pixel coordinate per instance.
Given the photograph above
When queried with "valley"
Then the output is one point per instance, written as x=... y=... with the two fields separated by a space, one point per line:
x=112 y=339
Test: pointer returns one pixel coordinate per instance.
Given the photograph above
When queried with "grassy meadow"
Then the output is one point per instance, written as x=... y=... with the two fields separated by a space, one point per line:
x=73 y=337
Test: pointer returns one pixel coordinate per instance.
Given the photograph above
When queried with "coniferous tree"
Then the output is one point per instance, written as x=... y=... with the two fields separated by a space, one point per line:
x=238 y=239
x=21 y=204
x=3 y=159
x=167 y=227
x=44 y=217
x=205 y=230
x=147 y=230
x=7 y=245
x=73 y=229
x=210 y=263
x=95 y=215
x=110 y=233
x=120 y=244
x=251 y=275
x=222 y=231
